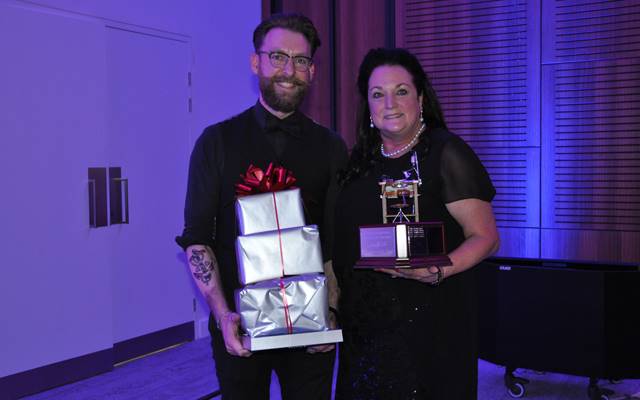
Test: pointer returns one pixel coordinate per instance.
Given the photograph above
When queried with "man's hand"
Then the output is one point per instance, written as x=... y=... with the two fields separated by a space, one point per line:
x=230 y=326
x=323 y=348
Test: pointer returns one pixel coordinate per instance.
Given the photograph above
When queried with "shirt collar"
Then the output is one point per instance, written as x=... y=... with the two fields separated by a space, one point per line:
x=265 y=118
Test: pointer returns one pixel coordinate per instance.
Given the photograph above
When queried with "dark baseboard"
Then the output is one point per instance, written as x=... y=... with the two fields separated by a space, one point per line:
x=61 y=373
x=52 y=375
x=141 y=345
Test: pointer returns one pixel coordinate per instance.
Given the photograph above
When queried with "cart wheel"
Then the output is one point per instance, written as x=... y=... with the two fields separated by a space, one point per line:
x=514 y=384
x=516 y=390
x=597 y=393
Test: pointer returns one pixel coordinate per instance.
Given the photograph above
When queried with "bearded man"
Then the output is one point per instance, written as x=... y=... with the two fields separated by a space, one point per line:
x=272 y=131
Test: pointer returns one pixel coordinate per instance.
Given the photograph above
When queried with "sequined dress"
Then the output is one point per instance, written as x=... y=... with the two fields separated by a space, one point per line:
x=404 y=339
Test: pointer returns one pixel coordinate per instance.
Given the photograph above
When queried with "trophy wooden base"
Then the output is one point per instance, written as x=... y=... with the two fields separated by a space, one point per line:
x=390 y=262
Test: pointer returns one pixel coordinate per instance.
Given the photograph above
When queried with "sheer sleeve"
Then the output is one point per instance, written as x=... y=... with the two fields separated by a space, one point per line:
x=464 y=176
x=338 y=159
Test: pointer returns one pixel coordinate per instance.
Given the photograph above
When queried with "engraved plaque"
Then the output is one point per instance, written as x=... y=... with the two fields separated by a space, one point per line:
x=406 y=245
x=378 y=241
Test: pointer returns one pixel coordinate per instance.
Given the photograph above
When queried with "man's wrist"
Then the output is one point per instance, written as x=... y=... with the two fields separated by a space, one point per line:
x=220 y=319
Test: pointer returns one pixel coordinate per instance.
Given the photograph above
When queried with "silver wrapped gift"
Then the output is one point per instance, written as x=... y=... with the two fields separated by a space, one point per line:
x=261 y=256
x=262 y=311
x=258 y=212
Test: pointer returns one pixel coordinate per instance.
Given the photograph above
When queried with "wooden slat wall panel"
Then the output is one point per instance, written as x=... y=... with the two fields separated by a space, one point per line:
x=591 y=129
x=510 y=170
x=593 y=147
x=578 y=30
x=556 y=81
x=483 y=59
x=591 y=245
x=477 y=56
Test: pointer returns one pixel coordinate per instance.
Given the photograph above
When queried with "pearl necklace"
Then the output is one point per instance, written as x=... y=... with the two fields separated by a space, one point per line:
x=403 y=148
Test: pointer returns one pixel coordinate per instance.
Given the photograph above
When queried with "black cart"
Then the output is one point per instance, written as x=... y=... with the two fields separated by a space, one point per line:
x=568 y=317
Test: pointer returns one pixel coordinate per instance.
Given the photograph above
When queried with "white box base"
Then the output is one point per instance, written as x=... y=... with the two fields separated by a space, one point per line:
x=293 y=340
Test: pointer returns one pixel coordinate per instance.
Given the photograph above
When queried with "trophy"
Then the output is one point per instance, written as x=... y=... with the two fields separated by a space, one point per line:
x=402 y=240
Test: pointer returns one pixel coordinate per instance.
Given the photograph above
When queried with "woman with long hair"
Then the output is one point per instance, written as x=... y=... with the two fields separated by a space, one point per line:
x=410 y=333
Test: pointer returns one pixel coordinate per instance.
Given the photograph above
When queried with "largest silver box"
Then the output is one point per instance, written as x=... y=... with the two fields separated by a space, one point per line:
x=262 y=310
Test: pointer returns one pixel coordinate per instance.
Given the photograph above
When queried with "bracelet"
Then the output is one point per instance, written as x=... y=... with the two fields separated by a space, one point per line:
x=223 y=316
x=335 y=312
x=439 y=277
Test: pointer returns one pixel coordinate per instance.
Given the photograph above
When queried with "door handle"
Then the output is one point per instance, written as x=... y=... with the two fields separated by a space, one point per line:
x=97 y=183
x=118 y=196
x=123 y=184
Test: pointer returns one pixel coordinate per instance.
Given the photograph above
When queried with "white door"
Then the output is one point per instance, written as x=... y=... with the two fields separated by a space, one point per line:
x=148 y=139
x=55 y=294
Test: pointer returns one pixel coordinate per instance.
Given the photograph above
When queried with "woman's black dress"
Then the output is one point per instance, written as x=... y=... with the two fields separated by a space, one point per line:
x=404 y=339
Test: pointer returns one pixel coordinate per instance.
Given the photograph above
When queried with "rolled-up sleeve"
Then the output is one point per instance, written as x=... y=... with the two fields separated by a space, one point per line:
x=203 y=191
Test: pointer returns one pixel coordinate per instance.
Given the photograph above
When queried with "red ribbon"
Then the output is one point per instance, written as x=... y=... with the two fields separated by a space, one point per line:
x=283 y=292
x=274 y=179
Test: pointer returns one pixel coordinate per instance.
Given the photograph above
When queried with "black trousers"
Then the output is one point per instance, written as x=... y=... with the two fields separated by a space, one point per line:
x=302 y=376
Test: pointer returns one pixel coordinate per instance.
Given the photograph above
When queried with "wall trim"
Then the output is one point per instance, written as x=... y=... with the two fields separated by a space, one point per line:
x=68 y=371
x=61 y=373
x=145 y=344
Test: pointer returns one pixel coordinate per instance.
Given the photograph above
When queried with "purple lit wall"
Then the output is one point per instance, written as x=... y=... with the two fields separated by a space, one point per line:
x=104 y=84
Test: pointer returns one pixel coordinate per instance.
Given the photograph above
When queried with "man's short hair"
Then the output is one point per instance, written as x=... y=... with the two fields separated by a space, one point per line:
x=293 y=22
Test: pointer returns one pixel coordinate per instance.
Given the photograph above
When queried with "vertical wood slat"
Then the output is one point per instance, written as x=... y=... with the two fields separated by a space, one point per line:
x=360 y=26
x=319 y=101
x=483 y=60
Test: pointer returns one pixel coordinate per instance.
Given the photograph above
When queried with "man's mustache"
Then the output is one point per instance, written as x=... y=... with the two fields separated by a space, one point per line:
x=288 y=79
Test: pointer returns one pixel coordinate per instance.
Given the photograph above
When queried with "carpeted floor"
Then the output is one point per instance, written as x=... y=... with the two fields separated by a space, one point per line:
x=187 y=372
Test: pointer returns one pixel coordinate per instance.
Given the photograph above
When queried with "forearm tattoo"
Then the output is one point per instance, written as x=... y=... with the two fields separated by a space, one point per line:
x=203 y=266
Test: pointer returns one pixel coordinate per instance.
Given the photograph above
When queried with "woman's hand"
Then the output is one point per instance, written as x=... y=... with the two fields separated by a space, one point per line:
x=432 y=275
x=481 y=240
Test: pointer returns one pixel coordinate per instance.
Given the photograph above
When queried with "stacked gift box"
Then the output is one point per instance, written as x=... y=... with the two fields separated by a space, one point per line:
x=284 y=301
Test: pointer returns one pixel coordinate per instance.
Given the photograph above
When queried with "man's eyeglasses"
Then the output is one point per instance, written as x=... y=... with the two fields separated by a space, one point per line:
x=280 y=60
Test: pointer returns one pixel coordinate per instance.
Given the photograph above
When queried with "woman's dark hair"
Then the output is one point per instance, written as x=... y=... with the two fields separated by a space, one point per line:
x=366 y=151
x=293 y=22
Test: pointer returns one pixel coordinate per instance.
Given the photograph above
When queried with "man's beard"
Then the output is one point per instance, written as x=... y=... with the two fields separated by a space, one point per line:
x=284 y=103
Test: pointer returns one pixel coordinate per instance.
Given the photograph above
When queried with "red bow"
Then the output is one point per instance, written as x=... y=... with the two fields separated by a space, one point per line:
x=256 y=181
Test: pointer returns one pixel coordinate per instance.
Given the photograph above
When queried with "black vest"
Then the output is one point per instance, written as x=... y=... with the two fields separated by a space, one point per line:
x=245 y=143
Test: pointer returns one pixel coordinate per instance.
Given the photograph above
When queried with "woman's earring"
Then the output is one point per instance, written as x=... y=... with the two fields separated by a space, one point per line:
x=371 y=122
x=421 y=117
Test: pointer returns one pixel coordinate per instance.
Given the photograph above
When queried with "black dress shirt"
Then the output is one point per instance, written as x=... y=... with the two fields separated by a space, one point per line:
x=224 y=151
